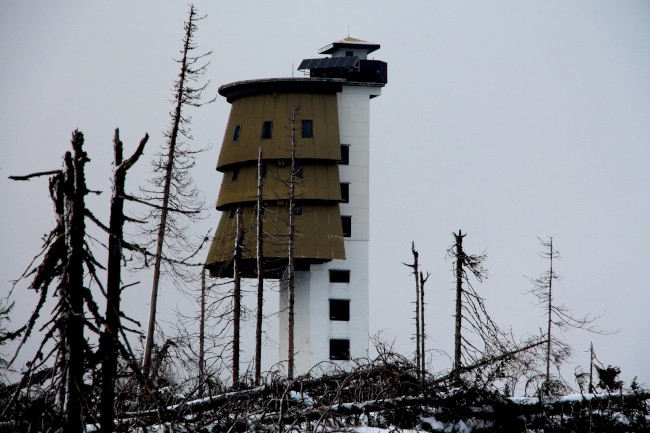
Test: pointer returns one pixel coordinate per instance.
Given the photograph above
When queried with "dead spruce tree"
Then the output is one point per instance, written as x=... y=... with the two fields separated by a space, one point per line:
x=172 y=187
x=423 y=335
x=414 y=266
x=463 y=266
x=472 y=316
x=237 y=295
x=110 y=335
x=292 y=240
x=66 y=257
x=259 y=236
x=420 y=280
x=558 y=317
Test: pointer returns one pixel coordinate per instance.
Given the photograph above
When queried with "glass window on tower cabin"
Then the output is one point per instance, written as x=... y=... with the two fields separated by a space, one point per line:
x=235 y=135
x=267 y=129
x=307 y=128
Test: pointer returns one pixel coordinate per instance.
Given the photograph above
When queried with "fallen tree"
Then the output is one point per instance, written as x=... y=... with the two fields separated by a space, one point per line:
x=388 y=393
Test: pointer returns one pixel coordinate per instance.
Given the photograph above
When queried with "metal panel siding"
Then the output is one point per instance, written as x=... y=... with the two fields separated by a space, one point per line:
x=251 y=111
x=318 y=234
x=319 y=182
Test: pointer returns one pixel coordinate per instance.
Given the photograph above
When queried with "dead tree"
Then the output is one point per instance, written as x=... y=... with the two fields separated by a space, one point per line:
x=202 y=335
x=471 y=313
x=557 y=316
x=418 y=310
x=239 y=240
x=65 y=257
x=260 y=267
x=476 y=335
x=72 y=305
x=459 y=313
x=111 y=331
x=423 y=335
x=291 y=241
x=173 y=185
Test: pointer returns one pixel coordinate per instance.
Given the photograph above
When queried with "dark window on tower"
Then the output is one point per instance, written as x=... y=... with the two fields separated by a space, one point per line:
x=340 y=309
x=267 y=129
x=345 y=192
x=297 y=208
x=339 y=350
x=233 y=212
x=263 y=169
x=346 y=222
x=349 y=53
x=339 y=276
x=235 y=174
x=307 y=128
x=235 y=135
x=345 y=154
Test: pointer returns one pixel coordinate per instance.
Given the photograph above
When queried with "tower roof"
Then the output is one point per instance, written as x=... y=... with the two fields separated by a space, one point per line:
x=349 y=43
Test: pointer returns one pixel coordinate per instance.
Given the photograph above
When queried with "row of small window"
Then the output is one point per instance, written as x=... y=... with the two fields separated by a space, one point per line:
x=307 y=132
x=306 y=128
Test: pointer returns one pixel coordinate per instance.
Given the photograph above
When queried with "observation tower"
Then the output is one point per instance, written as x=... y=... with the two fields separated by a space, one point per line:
x=330 y=106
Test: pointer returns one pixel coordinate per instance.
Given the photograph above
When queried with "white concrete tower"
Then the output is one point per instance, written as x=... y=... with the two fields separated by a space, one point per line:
x=333 y=315
x=331 y=286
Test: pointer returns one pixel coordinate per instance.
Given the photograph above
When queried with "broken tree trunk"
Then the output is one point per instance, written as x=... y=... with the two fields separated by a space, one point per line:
x=110 y=333
x=202 y=336
x=459 y=312
x=423 y=280
x=72 y=305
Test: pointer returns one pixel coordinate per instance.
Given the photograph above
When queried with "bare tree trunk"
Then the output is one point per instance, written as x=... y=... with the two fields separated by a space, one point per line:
x=292 y=233
x=459 y=314
x=418 y=356
x=549 y=319
x=423 y=280
x=260 y=270
x=110 y=333
x=236 y=317
x=74 y=184
x=591 y=367
x=176 y=121
x=202 y=336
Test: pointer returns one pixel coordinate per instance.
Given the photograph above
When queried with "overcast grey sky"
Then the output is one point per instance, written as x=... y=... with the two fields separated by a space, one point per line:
x=506 y=119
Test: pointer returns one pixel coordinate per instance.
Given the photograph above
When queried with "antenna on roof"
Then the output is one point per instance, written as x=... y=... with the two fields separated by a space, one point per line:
x=292 y=67
x=348 y=28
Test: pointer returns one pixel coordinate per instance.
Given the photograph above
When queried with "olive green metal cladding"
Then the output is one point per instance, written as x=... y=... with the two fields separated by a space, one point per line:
x=319 y=234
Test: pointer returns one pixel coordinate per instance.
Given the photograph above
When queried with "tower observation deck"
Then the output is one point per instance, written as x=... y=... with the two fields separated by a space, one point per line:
x=331 y=199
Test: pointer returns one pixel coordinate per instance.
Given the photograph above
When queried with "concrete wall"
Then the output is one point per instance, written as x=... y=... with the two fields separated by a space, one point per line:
x=313 y=327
